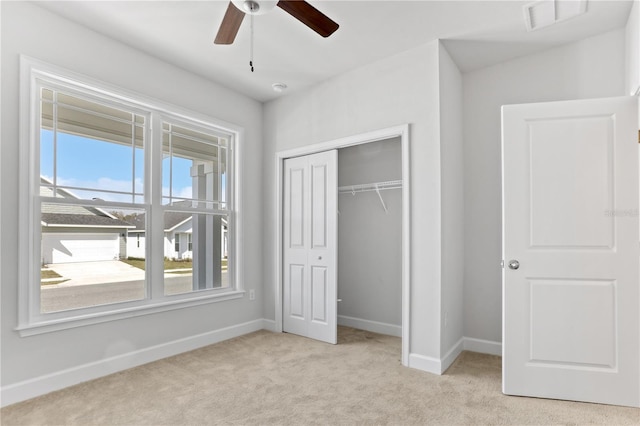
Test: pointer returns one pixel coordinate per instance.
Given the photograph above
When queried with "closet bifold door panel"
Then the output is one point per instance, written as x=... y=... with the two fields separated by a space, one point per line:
x=310 y=246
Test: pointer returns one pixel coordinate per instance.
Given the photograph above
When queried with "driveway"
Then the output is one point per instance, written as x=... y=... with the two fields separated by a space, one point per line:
x=99 y=283
x=85 y=273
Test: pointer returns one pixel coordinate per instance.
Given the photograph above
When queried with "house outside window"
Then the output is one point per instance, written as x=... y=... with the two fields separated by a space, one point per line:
x=99 y=178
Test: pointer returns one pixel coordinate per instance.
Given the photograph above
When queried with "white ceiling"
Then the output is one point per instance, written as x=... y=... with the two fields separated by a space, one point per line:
x=477 y=33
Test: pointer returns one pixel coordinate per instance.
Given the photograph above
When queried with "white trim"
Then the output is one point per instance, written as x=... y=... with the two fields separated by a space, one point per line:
x=269 y=325
x=425 y=363
x=401 y=131
x=51 y=382
x=451 y=356
x=439 y=366
x=47 y=225
x=372 y=326
x=61 y=321
x=482 y=346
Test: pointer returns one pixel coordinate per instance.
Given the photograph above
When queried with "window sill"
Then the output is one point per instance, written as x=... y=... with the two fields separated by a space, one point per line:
x=42 y=325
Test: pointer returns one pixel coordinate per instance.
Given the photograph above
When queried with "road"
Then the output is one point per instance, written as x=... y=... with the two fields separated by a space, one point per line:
x=55 y=299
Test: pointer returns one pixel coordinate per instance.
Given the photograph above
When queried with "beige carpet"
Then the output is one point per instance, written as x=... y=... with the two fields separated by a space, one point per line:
x=266 y=378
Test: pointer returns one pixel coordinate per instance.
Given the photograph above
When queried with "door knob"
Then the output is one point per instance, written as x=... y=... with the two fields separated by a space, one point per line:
x=514 y=264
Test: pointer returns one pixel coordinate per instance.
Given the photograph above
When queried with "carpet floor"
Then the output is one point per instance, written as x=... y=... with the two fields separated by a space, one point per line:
x=268 y=378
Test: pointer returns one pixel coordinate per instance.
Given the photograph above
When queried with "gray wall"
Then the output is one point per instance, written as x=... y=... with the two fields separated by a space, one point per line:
x=28 y=29
x=370 y=240
x=632 y=50
x=451 y=151
x=590 y=68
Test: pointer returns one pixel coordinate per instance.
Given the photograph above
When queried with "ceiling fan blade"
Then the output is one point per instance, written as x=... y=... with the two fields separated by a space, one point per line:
x=230 y=25
x=310 y=16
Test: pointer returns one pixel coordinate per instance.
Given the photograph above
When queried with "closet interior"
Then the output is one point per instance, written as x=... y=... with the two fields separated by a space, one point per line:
x=370 y=236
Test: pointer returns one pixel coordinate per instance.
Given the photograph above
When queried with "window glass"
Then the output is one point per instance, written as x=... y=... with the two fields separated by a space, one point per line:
x=92 y=149
x=194 y=168
x=201 y=264
x=89 y=151
x=87 y=257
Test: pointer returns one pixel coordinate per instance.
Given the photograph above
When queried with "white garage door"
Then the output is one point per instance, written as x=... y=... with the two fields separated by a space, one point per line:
x=65 y=248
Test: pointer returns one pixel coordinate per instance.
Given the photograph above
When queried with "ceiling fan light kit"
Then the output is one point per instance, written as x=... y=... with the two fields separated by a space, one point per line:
x=255 y=7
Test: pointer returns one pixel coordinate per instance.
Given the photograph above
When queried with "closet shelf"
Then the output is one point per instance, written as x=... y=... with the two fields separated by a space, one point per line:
x=377 y=187
x=366 y=187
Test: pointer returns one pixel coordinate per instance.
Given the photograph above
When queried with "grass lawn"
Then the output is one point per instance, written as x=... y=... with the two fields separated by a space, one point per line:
x=54 y=282
x=48 y=273
x=168 y=263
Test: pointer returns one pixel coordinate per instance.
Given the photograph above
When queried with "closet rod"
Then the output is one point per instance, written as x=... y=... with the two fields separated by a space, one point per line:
x=377 y=186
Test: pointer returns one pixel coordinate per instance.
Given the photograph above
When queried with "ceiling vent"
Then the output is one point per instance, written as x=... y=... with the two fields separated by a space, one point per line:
x=548 y=12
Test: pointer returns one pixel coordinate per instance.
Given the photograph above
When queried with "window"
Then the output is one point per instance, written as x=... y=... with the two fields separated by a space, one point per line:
x=195 y=194
x=98 y=181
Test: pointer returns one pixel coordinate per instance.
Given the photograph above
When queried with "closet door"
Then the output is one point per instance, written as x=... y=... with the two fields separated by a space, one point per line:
x=310 y=246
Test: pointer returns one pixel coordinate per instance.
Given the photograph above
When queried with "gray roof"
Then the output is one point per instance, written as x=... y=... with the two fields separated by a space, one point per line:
x=171 y=219
x=62 y=219
x=74 y=215
x=138 y=222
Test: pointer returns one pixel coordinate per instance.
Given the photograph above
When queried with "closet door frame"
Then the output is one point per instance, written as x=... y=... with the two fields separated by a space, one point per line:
x=401 y=132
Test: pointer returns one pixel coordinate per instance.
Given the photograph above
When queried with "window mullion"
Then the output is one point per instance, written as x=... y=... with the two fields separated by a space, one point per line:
x=155 y=224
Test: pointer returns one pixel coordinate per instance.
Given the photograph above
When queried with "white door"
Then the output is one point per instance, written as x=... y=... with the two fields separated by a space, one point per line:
x=66 y=248
x=570 y=218
x=310 y=246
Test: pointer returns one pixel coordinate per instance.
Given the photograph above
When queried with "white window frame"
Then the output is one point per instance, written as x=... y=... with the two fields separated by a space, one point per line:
x=30 y=320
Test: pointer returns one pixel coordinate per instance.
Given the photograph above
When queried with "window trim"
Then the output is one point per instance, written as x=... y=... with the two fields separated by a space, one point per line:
x=30 y=320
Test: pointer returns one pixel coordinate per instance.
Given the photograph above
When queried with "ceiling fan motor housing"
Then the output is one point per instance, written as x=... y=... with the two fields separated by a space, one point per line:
x=255 y=7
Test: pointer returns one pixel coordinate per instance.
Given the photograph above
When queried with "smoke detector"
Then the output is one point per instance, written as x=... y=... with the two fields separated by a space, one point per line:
x=544 y=13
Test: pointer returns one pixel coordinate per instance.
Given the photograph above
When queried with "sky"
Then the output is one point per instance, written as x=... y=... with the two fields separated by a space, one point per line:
x=90 y=163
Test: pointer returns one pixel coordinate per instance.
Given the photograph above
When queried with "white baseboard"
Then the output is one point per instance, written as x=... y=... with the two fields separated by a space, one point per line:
x=451 y=356
x=425 y=363
x=439 y=366
x=51 y=382
x=372 y=326
x=482 y=346
x=269 y=325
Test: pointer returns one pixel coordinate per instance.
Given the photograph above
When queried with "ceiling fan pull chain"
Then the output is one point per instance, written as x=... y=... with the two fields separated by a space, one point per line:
x=251 y=45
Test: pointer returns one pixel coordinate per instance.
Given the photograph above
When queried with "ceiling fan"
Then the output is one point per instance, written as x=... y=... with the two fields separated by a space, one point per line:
x=299 y=9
